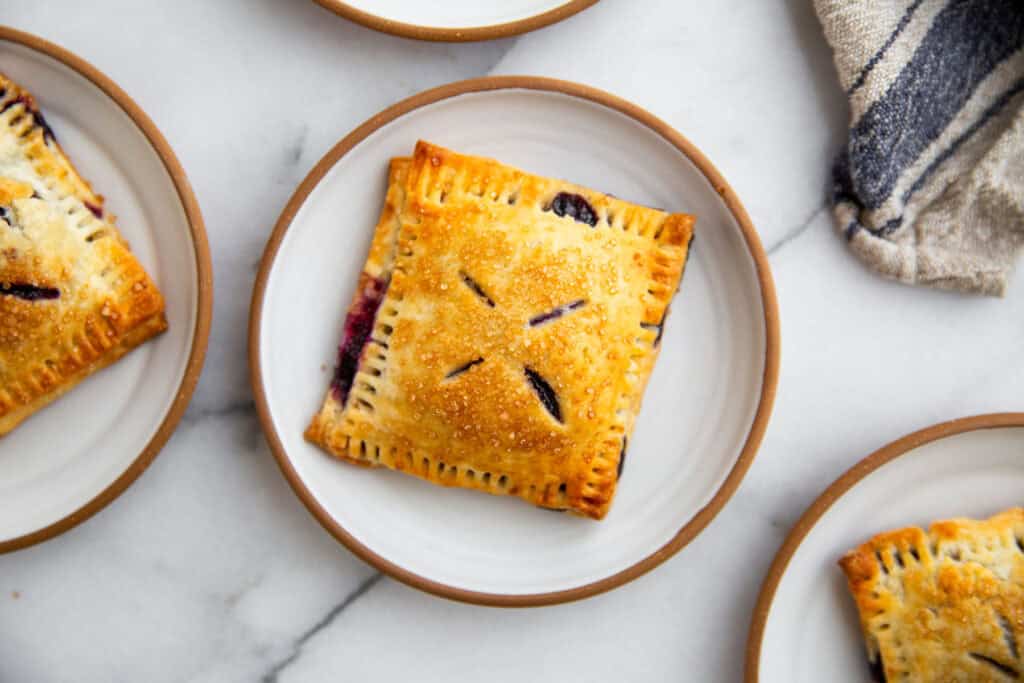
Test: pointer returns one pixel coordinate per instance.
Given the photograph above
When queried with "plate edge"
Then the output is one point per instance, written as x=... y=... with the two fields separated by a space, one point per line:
x=817 y=509
x=769 y=303
x=204 y=271
x=455 y=35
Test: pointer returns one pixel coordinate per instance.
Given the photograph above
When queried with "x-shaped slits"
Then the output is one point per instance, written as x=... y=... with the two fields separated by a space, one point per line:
x=541 y=387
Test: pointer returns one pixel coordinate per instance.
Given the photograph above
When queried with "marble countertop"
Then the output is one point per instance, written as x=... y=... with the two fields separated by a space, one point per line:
x=210 y=569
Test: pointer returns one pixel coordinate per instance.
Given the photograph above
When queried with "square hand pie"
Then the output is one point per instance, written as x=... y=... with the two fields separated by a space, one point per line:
x=946 y=604
x=503 y=331
x=73 y=299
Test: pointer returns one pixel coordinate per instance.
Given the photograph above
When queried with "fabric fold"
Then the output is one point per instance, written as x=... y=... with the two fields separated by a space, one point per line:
x=930 y=187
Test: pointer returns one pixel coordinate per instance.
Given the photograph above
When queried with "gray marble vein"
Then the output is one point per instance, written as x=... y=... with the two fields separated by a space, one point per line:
x=231 y=409
x=273 y=674
x=796 y=232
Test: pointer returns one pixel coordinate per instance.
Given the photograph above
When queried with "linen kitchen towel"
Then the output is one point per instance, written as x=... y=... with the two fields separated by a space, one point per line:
x=930 y=187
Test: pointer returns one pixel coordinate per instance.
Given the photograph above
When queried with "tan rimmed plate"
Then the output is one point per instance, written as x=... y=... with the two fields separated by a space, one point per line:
x=72 y=458
x=455 y=20
x=705 y=410
x=805 y=626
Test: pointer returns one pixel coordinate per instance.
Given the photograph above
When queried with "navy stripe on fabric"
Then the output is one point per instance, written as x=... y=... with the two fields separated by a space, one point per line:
x=986 y=116
x=966 y=41
x=994 y=109
x=852 y=229
x=887 y=228
x=904 y=20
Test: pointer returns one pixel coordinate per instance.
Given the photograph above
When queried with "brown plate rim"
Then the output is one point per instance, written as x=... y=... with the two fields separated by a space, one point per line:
x=455 y=35
x=831 y=494
x=204 y=268
x=717 y=182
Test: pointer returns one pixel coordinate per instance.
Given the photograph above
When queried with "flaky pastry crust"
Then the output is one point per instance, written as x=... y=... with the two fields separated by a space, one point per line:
x=73 y=299
x=519 y=319
x=946 y=604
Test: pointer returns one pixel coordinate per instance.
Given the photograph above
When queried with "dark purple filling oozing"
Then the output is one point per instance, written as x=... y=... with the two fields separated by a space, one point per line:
x=1005 y=669
x=96 y=210
x=660 y=327
x=574 y=206
x=545 y=393
x=36 y=115
x=358 y=326
x=463 y=368
x=477 y=289
x=28 y=292
x=622 y=457
x=555 y=313
x=877 y=670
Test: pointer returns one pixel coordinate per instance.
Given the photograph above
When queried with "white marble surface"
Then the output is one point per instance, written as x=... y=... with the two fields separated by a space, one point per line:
x=209 y=569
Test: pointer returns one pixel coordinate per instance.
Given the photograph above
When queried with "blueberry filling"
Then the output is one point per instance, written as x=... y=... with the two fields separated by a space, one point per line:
x=477 y=289
x=545 y=393
x=574 y=206
x=659 y=326
x=358 y=326
x=556 y=313
x=622 y=457
x=1004 y=669
x=41 y=122
x=877 y=669
x=36 y=115
x=28 y=292
x=11 y=103
x=463 y=368
x=96 y=210
x=661 y=329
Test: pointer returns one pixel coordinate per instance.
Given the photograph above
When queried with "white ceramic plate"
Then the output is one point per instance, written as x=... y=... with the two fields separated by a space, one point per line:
x=806 y=619
x=68 y=460
x=455 y=20
x=704 y=410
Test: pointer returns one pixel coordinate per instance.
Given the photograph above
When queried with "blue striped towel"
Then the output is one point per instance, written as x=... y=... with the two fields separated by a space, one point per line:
x=930 y=187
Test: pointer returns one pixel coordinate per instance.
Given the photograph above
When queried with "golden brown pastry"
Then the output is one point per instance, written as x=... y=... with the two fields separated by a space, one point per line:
x=943 y=605
x=73 y=299
x=503 y=331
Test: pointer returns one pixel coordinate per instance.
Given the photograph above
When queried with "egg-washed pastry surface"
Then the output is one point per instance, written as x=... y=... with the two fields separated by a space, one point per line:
x=73 y=298
x=945 y=604
x=502 y=332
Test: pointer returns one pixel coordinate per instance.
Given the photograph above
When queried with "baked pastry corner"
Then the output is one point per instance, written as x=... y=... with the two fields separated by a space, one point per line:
x=73 y=298
x=503 y=332
x=945 y=604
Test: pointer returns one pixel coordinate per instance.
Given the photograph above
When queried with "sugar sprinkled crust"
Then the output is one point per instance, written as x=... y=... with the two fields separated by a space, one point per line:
x=73 y=299
x=516 y=320
x=946 y=604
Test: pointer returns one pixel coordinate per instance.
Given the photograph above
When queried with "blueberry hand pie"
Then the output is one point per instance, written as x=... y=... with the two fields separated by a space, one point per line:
x=73 y=299
x=503 y=331
x=946 y=604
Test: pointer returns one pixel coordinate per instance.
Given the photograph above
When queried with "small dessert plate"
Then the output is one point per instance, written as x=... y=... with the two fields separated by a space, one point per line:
x=73 y=457
x=805 y=626
x=704 y=411
x=455 y=20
